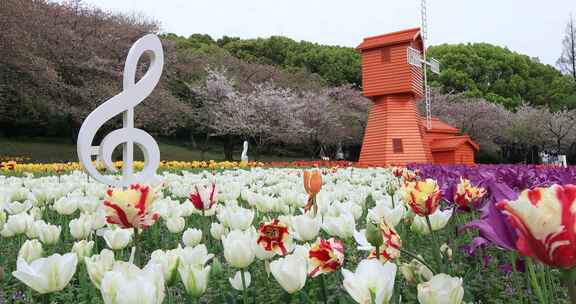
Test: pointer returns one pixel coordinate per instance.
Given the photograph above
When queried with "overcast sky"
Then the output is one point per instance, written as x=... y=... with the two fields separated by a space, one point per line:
x=531 y=27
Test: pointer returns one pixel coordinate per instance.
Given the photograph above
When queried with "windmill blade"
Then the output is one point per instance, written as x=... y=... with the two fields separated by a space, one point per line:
x=434 y=66
x=414 y=57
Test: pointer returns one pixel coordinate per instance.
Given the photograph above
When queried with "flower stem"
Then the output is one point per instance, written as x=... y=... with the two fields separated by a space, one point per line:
x=323 y=286
x=136 y=249
x=569 y=281
x=534 y=282
x=417 y=258
x=244 y=289
x=436 y=249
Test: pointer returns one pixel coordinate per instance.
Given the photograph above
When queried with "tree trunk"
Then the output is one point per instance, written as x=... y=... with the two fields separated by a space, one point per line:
x=228 y=148
x=204 y=147
x=193 y=142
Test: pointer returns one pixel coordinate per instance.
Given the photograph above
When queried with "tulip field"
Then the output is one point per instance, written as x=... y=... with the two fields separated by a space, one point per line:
x=254 y=234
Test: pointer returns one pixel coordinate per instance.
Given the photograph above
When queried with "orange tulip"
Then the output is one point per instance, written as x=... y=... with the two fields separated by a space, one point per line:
x=312 y=185
x=312 y=182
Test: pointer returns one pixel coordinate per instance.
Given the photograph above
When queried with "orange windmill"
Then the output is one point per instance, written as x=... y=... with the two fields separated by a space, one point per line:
x=393 y=77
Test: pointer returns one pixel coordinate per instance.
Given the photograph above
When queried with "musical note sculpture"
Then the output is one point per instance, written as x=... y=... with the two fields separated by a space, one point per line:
x=132 y=94
x=244 y=156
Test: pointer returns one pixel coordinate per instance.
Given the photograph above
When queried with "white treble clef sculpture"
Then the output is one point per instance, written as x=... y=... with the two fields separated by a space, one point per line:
x=132 y=94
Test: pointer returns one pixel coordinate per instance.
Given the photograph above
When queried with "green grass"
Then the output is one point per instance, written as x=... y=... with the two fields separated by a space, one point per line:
x=47 y=150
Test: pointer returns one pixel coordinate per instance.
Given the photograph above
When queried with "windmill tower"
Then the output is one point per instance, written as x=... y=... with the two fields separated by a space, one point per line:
x=394 y=77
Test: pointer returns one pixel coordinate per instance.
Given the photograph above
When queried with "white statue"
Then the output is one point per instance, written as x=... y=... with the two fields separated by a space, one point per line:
x=132 y=94
x=244 y=156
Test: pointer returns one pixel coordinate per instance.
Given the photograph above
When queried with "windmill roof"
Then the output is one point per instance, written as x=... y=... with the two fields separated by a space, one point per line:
x=438 y=126
x=452 y=143
x=389 y=39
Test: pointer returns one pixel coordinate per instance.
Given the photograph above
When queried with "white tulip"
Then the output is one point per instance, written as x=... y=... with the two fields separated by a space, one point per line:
x=290 y=271
x=438 y=220
x=239 y=248
x=66 y=205
x=195 y=279
x=186 y=209
x=81 y=227
x=306 y=227
x=16 y=207
x=441 y=289
x=128 y=284
x=217 y=230
x=350 y=207
x=46 y=275
x=168 y=261
x=392 y=216
x=371 y=283
x=19 y=223
x=6 y=233
x=236 y=217
x=415 y=272
x=36 y=213
x=98 y=219
x=236 y=280
x=362 y=241
x=89 y=204
x=83 y=249
x=31 y=250
x=342 y=226
x=98 y=265
x=263 y=254
x=118 y=239
x=446 y=251
x=48 y=234
x=192 y=237
x=32 y=231
x=175 y=224
x=194 y=255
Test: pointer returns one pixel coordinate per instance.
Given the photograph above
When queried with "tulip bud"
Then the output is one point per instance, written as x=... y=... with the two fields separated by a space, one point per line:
x=83 y=249
x=408 y=273
x=98 y=265
x=236 y=280
x=415 y=272
x=66 y=205
x=438 y=220
x=306 y=227
x=290 y=272
x=192 y=237
x=391 y=189
x=19 y=223
x=118 y=239
x=239 y=248
x=31 y=250
x=217 y=230
x=168 y=260
x=374 y=235
x=195 y=279
x=446 y=251
x=36 y=213
x=48 y=234
x=442 y=288
x=81 y=227
x=175 y=224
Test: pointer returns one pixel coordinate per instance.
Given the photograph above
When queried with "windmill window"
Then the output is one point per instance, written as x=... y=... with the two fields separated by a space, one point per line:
x=397 y=146
x=385 y=54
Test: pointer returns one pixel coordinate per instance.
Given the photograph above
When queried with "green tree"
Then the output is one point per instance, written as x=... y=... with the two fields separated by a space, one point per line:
x=499 y=75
